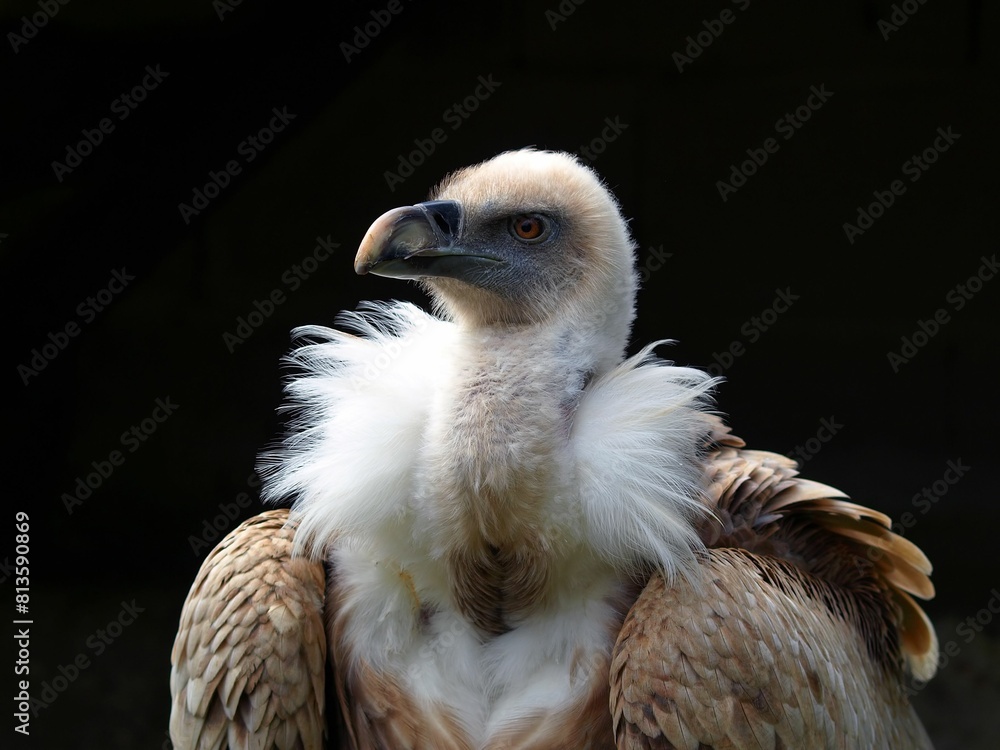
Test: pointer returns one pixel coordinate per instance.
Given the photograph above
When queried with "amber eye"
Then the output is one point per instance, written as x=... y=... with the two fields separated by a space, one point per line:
x=529 y=228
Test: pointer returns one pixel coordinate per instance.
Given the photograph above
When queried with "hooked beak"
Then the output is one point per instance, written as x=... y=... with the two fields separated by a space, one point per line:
x=414 y=242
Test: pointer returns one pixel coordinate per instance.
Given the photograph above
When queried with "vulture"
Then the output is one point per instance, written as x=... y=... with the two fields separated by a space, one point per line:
x=506 y=534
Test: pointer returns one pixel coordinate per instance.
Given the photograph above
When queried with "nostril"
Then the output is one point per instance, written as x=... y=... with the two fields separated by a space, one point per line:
x=440 y=221
x=445 y=215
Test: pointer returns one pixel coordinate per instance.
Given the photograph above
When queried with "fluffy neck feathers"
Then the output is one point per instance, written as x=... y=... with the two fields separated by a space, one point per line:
x=420 y=441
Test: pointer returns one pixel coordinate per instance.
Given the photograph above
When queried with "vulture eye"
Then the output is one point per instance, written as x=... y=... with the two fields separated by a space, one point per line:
x=530 y=228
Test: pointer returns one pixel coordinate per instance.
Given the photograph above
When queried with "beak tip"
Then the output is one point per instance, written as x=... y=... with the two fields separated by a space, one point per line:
x=367 y=254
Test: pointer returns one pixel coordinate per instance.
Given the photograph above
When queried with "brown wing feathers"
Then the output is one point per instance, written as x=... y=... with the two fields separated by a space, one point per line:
x=249 y=659
x=727 y=660
x=793 y=632
x=761 y=504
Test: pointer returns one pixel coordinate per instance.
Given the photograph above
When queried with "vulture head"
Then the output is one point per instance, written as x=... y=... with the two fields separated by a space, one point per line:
x=528 y=238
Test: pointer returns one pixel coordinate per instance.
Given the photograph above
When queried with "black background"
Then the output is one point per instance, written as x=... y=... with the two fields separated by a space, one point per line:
x=561 y=77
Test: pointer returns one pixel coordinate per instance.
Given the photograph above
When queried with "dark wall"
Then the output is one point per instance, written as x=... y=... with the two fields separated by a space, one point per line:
x=881 y=373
